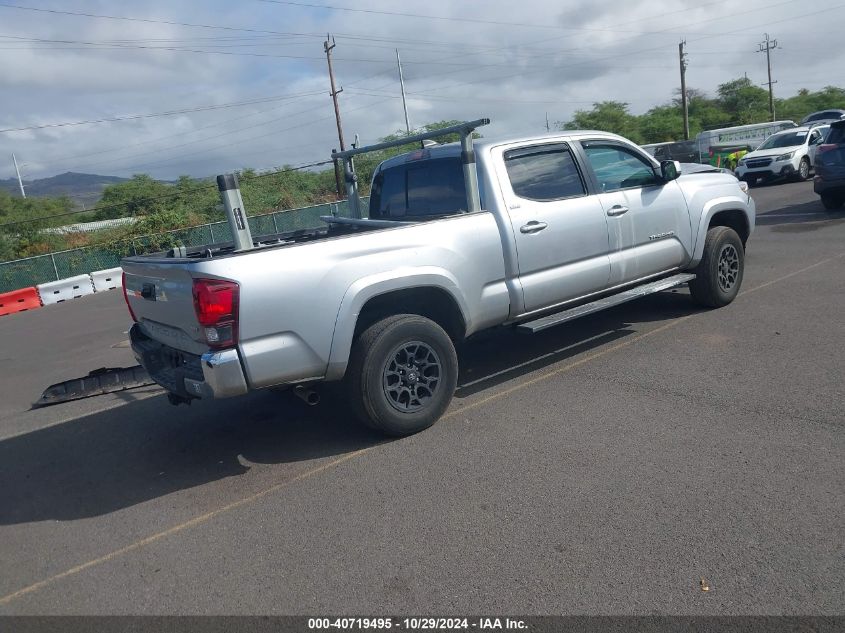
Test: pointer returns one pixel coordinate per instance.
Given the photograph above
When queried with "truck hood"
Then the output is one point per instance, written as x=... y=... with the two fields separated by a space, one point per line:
x=699 y=168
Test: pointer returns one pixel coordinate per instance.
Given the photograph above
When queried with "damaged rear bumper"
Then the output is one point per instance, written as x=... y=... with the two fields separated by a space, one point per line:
x=215 y=374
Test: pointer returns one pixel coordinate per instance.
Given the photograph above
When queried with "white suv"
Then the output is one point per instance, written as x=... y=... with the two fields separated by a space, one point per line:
x=787 y=154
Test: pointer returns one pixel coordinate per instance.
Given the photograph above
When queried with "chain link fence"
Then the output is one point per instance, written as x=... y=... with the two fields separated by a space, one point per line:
x=31 y=271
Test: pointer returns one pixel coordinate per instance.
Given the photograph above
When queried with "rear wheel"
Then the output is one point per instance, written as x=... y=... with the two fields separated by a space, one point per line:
x=402 y=374
x=719 y=274
x=831 y=202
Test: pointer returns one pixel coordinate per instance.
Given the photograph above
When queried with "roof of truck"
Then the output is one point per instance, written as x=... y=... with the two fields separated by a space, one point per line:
x=451 y=150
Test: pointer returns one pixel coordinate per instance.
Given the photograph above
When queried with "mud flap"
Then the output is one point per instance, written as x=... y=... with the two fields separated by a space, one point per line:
x=98 y=382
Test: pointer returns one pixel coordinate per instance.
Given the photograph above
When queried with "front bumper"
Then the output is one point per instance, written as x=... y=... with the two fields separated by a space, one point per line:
x=770 y=173
x=215 y=374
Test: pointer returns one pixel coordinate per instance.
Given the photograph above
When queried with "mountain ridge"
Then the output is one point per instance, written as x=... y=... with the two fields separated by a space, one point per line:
x=84 y=189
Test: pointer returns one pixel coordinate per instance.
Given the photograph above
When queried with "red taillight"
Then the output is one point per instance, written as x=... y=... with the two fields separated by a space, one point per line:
x=126 y=298
x=216 y=306
x=826 y=148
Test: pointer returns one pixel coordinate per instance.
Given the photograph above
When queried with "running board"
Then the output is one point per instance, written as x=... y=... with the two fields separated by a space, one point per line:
x=607 y=302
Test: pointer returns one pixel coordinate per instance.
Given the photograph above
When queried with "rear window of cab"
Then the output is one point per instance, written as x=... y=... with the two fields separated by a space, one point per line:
x=419 y=188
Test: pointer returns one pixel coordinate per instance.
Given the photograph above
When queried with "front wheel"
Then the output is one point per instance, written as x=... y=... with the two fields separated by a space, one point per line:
x=803 y=169
x=719 y=274
x=402 y=374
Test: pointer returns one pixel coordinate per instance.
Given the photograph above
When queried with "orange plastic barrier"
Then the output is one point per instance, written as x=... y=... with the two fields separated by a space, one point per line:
x=19 y=300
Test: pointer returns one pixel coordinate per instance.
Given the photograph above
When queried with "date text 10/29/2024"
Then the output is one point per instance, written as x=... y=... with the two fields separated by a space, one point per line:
x=417 y=624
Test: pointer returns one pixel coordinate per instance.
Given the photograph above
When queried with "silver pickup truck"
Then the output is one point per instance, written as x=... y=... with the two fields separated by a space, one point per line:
x=528 y=232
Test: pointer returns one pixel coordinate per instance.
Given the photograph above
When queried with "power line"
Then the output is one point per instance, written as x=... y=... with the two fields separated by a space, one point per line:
x=545 y=54
x=172 y=136
x=90 y=45
x=546 y=68
x=249 y=138
x=228 y=132
x=133 y=117
x=317 y=35
x=411 y=95
x=152 y=21
x=447 y=18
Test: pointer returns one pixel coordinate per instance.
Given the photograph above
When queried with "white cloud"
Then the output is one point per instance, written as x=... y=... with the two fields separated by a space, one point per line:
x=512 y=73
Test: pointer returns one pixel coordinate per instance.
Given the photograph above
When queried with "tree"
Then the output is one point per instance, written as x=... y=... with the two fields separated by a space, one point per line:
x=663 y=123
x=743 y=101
x=806 y=102
x=138 y=196
x=609 y=116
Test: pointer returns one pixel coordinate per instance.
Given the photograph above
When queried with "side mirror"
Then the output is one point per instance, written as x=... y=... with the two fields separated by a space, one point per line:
x=670 y=170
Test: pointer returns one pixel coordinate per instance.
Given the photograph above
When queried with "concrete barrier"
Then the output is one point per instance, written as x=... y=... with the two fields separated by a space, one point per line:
x=64 y=289
x=107 y=279
x=19 y=300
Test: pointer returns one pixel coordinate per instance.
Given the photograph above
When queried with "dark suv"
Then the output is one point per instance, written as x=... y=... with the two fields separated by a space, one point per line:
x=829 y=181
x=682 y=151
x=823 y=116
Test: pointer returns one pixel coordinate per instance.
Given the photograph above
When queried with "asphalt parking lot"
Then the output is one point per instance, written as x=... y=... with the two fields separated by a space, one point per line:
x=614 y=465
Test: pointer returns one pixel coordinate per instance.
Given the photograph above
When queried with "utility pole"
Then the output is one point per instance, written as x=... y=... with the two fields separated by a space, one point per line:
x=684 y=103
x=328 y=48
x=766 y=46
x=402 y=85
x=18 y=172
x=548 y=129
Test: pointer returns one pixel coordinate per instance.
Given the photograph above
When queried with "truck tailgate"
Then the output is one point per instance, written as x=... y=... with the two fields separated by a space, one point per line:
x=161 y=298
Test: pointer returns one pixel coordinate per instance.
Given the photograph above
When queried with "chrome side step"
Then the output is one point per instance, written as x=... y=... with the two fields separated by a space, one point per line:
x=607 y=302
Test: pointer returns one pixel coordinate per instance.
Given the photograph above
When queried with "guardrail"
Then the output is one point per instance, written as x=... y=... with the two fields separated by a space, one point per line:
x=19 y=301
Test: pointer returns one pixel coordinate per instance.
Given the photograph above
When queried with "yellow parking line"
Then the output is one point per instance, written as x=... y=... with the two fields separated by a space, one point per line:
x=179 y=528
x=622 y=345
x=314 y=471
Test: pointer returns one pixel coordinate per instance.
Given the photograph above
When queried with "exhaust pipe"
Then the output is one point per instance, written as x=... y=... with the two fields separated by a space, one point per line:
x=308 y=396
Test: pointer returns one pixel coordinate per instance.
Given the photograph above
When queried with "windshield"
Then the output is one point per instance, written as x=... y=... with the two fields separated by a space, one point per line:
x=785 y=139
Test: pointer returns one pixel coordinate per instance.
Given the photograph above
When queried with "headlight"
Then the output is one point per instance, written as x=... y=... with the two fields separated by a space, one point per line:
x=741 y=162
x=744 y=186
x=786 y=156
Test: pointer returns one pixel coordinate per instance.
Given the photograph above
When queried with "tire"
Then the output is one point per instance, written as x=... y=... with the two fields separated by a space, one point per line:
x=402 y=374
x=832 y=203
x=803 y=170
x=719 y=274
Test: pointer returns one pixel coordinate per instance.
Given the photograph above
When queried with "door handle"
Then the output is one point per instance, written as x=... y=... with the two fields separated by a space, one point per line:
x=617 y=209
x=533 y=227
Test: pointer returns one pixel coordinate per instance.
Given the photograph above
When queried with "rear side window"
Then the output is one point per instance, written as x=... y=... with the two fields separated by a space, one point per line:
x=419 y=188
x=544 y=173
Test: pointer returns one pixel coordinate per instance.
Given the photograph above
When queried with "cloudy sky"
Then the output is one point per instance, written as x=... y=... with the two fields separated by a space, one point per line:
x=245 y=84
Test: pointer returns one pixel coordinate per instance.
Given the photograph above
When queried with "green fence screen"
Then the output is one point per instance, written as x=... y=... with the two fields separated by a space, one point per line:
x=23 y=273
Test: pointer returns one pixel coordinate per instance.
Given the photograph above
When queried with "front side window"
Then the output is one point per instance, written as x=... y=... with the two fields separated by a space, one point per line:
x=618 y=167
x=544 y=173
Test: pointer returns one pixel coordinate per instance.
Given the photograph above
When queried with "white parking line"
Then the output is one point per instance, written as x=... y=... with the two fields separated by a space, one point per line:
x=790 y=215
